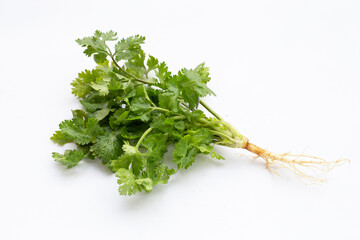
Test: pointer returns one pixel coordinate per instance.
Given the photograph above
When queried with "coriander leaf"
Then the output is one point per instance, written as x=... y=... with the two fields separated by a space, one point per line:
x=194 y=116
x=81 y=85
x=190 y=145
x=152 y=63
x=135 y=64
x=216 y=155
x=132 y=131
x=76 y=130
x=203 y=72
x=100 y=57
x=169 y=100
x=107 y=36
x=184 y=154
x=70 y=158
x=166 y=126
x=118 y=117
x=139 y=105
x=96 y=45
x=127 y=183
x=128 y=149
x=101 y=87
x=107 y=147
x=162 y=73
x=79 y=114
x=61 y=138
x=101 y=114
x=91 y=107
x=162 y=174
x=127 y=160
x=145 y=183
x=93 y=128
x=127 y=48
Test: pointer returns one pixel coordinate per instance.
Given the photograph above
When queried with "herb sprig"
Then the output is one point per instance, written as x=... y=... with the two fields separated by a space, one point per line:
x=134 y=108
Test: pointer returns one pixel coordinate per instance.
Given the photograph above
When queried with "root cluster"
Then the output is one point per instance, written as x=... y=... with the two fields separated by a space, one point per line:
x=307 y=168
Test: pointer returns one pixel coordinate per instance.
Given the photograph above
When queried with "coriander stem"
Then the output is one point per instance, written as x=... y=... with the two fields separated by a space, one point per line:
x=142 y=138
x=208 y=123
x=123 y=70
x=147 y=96
x=131 y=75
x=221 y=134
x=179 y=118
x=207 y=107
x=160 y=109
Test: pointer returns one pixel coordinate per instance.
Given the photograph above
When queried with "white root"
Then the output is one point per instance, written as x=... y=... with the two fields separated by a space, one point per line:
x=306 y=168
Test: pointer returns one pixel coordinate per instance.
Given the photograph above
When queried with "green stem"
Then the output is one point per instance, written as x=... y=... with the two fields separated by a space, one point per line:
x=230 y=131
x=142 y=137
x=222 y=134
x=124 y=71
x=207 y=107
x=131 y=75
x=179 y=118
x=160 y=109
x=147 y=96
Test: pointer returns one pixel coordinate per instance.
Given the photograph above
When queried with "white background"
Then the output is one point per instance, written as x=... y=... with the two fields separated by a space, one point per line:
x=286 y=74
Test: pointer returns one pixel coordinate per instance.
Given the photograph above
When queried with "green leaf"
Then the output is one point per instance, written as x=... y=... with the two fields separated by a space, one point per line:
x=108 y=36
x=127 y=48
x=203 y=72
x=140 y=105
x=195 y=79
x=61 y=138
x=96 y=45
x=127 y=183
x=79 y=114
x=169 y=100
x=190 y=145
x=184 y=154
x=166 y=126
x=100 y=57
x=191 y=97
x=91 y=107
x=152 y=63
x=132 y=131
x=101 y=86
x=101 y=114
x=107 y=147
x=162 y=174
x=127 y=160
x=162 y=72
x=70 y=158
x=201 y=139
x=118 y=118
x=128 y=149
x=145 y=183
x=81 y=85
x=93 y=128
x=217 y=156
x=194 y=116
x=76 y=130
x=156 y=145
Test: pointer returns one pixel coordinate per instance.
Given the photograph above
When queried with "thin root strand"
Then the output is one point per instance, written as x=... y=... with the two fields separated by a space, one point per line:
x=299 y=164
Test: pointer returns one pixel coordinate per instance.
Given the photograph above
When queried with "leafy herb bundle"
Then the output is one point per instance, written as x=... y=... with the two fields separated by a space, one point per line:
x=134 y=108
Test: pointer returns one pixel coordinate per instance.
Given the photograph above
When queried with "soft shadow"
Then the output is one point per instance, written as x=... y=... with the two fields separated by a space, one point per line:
x=143 y=200
x=98 y=165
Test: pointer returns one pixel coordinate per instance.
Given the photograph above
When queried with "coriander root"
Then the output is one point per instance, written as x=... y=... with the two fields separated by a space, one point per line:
x=298 y=164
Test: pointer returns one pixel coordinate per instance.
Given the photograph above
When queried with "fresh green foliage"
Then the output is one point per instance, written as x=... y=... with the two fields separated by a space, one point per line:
x=134 y=108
